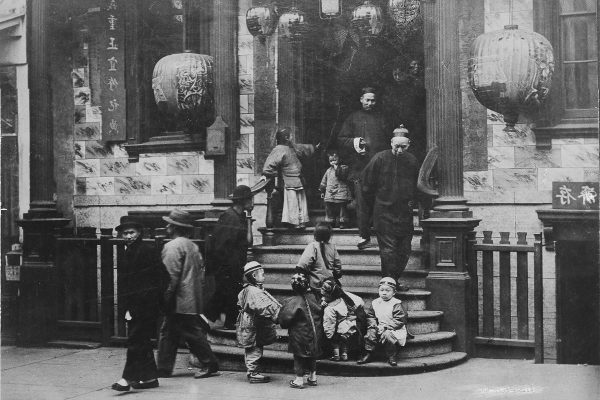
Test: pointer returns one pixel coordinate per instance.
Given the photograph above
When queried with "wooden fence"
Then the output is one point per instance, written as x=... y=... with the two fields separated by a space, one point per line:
x=89 y=287
x=494 y=268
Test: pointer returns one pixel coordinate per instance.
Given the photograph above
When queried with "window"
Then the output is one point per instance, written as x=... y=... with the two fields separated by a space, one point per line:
x=571 y=110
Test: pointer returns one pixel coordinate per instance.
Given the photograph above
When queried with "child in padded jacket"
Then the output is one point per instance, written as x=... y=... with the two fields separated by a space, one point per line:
x=339 y=317
x=301 y=314
x=386 y=323
x=256 y=322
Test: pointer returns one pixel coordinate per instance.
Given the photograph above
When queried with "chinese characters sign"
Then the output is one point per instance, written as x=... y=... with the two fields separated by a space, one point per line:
x=575 y=195
x=112 y=70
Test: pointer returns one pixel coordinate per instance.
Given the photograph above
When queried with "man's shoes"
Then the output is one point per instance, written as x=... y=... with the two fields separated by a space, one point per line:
x=392 y=361
x=257 y=377
x=212 y=370
x=364 y=244
x=162 y=373
x=365 y=359
x=120 y=388
x=145 y=385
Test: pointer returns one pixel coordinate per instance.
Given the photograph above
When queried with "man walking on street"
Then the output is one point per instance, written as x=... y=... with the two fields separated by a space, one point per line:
x=389 y=188
x=183 y=299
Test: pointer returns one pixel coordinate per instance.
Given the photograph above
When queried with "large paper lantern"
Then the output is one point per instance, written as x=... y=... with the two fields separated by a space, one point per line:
x=510 y=71
x=403 y=12
x=367 y=19
x=183 y=86
x=261 y=21
x=293 y=25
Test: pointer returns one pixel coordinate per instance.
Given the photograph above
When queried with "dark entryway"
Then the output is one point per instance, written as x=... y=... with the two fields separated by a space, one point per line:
x=578 y=307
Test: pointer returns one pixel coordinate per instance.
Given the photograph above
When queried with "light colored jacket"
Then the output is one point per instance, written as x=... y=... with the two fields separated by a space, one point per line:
x=312 y=262
x=286 y=160
x=184 y=264
x=335 y=189
x=258 y=313
x=337 y=318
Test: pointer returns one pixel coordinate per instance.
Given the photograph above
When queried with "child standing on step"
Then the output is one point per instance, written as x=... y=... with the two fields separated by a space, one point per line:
x=256 y=321
x=302 y=316
x=335 y=190
x=386 y=323
x=339 y=317
x=320 y=259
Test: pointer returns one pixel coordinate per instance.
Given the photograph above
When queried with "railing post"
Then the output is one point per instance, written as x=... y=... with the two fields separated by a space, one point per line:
x=538 y=299
x=488 y=286
x=106 y=287
x=472 y=269
x=505 y=290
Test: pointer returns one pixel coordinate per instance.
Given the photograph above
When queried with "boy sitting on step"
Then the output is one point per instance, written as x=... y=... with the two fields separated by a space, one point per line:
x=340 y=317
x=386 y=323
x=256 y=321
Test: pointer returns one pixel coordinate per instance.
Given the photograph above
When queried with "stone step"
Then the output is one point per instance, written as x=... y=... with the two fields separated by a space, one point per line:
x=232 y=359
x=353 y=275
x=350 y=255
x=413 y=300
x=340 y=237
x=422 y=345
x=318 y=214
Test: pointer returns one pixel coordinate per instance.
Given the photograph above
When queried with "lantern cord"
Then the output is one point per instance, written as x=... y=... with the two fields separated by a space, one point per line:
x=510 y=12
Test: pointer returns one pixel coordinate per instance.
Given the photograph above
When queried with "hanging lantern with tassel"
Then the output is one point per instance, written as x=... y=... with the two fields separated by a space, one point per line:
x=367 y=19
x=403 y=12
x=183 y=86
x=510 y=71
x=293 y=25
x=261 y=21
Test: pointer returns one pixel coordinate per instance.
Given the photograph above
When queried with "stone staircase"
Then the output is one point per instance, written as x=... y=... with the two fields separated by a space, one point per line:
x=430 y=349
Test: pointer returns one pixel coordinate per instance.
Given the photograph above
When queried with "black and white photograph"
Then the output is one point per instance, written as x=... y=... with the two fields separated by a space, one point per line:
x=275 y=199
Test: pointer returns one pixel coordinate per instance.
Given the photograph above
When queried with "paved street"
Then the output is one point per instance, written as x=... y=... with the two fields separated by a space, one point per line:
x=41 y=373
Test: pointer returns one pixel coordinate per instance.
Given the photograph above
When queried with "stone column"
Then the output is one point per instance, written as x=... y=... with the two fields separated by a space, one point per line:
x=226 y=91
x=448 y=231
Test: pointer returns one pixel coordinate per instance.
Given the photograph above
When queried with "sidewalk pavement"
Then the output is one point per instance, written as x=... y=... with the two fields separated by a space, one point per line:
x=48 y=374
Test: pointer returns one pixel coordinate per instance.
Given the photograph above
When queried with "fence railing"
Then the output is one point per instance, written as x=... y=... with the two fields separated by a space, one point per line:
x=88 y=270
x=509 y=290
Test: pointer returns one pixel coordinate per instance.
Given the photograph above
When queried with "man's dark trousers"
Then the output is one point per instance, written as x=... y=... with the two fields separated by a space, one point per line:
x=394 y=235
x=140 y=365
x=190 y=328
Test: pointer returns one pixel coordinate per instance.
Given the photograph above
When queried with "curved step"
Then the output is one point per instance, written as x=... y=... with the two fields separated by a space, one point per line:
x=423 y=345
x=353 y=275
x=232 y=359
x=413 y=300
x=350 y=255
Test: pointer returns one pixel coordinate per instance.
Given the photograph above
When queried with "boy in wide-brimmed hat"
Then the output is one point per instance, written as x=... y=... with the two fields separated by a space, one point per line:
x=256 y=321
x=386 y=322
x=143 y=278
x=231 y=239
x=184 y=299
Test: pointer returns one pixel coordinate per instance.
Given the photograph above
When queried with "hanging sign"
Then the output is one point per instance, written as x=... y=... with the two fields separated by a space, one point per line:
x=112 y=70
x=575 y=195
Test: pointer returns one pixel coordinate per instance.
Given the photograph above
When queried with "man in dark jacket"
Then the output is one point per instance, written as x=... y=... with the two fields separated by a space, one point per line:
x=231 y=238
x=363 y=134
x=389 y=189
x=144 y=279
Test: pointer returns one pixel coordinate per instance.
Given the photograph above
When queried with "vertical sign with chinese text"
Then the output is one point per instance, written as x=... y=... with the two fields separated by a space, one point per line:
x=112 y=69
x=575 y=195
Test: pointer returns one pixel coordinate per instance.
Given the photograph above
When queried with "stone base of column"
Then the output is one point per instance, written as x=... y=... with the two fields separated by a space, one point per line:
x=38 y=288
x=446 y=242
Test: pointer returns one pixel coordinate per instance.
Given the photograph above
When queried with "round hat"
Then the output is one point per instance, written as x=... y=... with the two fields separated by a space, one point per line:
x=241 y=192
x=400 y=131
x=127 y=221
x=387 y=281
x=251 y=267
x=180 y=218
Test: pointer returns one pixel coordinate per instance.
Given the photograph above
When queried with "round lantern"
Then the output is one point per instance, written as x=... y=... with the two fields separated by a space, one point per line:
x=293 y=25
x=183 y=86
x=367 y=19
x=510 y=71
x=261 y=21
x=403 y=12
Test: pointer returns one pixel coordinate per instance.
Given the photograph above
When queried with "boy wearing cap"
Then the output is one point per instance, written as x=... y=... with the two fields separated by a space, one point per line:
x=256 y=321
x=386 y=323
x=143 y=279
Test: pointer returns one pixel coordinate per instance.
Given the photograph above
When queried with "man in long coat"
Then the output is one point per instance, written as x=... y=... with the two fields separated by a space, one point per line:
x=389 y=189
x=363 y=134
